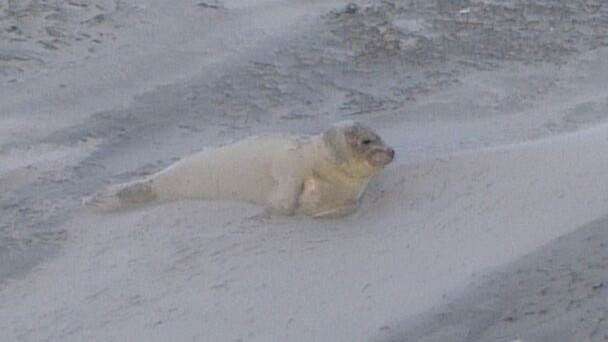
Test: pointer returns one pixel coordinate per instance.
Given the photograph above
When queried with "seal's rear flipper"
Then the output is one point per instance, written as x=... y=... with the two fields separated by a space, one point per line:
x=121 y=197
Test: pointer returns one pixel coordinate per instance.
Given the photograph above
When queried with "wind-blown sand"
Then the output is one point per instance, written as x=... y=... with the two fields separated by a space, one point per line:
x=478 y=231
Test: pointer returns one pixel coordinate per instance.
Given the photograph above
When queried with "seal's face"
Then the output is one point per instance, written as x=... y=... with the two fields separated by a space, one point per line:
x=367 y=144
x=355 y=142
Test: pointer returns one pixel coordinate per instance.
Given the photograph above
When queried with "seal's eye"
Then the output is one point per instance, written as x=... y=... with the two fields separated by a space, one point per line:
x=366 y=141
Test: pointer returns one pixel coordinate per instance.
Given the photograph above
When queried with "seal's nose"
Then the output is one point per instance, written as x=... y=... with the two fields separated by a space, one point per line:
x=391 y=152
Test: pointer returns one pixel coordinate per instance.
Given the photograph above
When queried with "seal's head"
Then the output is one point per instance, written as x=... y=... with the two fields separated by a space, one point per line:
x=354 y=143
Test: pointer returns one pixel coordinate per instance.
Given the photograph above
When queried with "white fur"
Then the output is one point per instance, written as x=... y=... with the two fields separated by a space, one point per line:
x=289 y=175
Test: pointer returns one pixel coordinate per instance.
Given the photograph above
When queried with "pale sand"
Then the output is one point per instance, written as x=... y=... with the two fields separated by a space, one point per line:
x=217 y=272
x=497 y=155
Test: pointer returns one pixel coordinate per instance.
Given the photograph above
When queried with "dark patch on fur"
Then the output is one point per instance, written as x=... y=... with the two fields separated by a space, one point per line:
x=137 y=193
x=334 y=142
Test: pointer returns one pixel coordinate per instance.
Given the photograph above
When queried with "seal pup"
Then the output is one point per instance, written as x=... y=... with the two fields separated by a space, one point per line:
x=320 y=176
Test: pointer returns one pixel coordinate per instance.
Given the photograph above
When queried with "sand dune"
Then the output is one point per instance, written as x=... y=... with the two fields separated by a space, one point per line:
x=224 y=271
x=497 y=110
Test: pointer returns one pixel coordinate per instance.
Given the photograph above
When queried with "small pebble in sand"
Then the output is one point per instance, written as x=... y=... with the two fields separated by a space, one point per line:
x=351 y=8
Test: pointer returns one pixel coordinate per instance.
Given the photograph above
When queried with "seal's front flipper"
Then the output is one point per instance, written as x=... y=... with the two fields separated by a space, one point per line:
x=284 y=199
x=338 y=212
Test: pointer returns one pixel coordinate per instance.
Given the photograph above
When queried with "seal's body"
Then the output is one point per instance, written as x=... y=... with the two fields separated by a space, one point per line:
x=321 y=175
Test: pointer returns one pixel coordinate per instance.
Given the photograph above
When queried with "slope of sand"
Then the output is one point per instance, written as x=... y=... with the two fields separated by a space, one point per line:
x=502 y=147
x=557 y=293
x=225 y=271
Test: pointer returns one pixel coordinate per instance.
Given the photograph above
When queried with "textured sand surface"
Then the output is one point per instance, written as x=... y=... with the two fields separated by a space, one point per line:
x=480 y=230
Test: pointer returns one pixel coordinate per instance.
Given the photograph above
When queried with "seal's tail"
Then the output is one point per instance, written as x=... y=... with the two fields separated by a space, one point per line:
x=121 y=197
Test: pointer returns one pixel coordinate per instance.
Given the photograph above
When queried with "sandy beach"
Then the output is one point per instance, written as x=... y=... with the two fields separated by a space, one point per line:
x=490 y=225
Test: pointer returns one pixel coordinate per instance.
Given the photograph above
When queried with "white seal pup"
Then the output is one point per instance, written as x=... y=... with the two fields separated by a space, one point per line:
x=320 y=176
